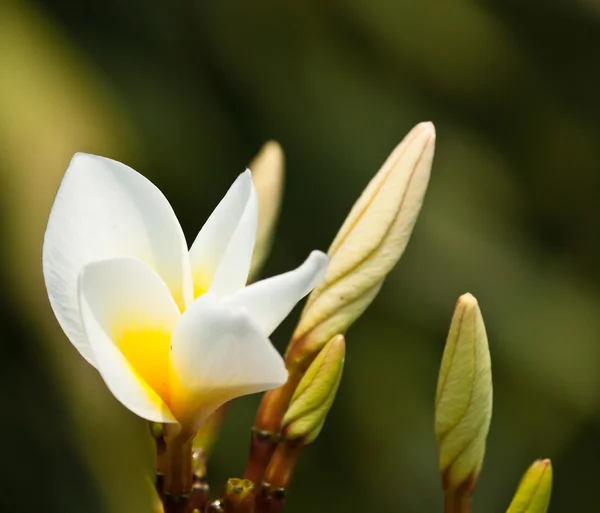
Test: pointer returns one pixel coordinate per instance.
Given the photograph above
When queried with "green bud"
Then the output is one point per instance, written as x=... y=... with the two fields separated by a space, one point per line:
x=239 y=496
x=268 y=169
x=315 y=393
x=369 y=243
x=464 y=399
x=533 y=494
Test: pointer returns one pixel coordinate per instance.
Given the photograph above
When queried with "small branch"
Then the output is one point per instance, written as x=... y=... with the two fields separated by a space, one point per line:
x=262 y=446
x=457 y=503
x=265 y=433
x=283 y=463
x=270 y=499
x=278 y=476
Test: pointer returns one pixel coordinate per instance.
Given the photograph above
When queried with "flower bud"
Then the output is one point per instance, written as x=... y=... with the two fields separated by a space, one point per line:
x=239 y=496
x=315 y=393
x=464 y=399
x=533 y=494
x=369 y=243
x=268 y=176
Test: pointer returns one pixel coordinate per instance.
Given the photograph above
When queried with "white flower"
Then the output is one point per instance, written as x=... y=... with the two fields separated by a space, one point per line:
x=174 y=334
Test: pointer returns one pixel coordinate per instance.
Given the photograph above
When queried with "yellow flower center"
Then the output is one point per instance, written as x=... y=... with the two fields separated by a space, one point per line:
x=147 y=351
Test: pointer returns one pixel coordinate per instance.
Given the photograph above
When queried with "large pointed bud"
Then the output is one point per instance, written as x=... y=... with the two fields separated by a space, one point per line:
x=368 y=245
x=533 y=494
x=463 y=403
x=268 y=176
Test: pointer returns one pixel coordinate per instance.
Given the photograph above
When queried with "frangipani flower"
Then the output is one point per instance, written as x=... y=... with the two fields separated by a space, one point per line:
x=174 y=334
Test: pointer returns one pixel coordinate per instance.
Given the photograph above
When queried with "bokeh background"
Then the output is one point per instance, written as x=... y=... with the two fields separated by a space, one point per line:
x=186 y=91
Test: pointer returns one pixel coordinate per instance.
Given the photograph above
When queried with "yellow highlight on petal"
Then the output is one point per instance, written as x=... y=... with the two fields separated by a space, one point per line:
x=147 y=351
x=202 y=280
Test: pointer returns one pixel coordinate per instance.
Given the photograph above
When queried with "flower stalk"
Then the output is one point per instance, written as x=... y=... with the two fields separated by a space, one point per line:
x=458 y=502
x=178 y=468
x=278 y=476
x=266 y=432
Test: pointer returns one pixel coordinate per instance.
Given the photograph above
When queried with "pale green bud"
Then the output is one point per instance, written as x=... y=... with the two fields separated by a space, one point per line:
x=315 y=393
x=369 y=243
x=268 y=169
x=464 y=399
x=533 y=494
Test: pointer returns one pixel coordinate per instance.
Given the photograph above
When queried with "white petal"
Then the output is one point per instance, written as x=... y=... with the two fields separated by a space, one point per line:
x=120 y=297
x=105 y=209
x=234 y=267
x=218 y=355
x=268 y=302
x=217 y=234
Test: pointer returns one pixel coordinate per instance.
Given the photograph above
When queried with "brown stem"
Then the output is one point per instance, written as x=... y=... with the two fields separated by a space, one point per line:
x=283 y=463
x=268 y=424
x=270 y=499
x=278 y=476
x=457 y=503
x=262 y=446
x=178 y=467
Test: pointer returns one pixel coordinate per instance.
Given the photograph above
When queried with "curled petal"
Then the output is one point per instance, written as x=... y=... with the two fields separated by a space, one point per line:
x=268 y=302
x=105 y=209
x=128 y=315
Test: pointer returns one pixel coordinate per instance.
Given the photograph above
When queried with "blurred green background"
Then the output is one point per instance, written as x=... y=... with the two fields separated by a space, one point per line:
x=187 y=91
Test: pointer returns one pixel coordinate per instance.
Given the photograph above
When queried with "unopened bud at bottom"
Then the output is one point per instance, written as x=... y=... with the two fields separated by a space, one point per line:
x=533 y=494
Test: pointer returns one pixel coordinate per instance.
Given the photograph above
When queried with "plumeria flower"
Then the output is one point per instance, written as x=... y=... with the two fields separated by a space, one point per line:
x=173 y=333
